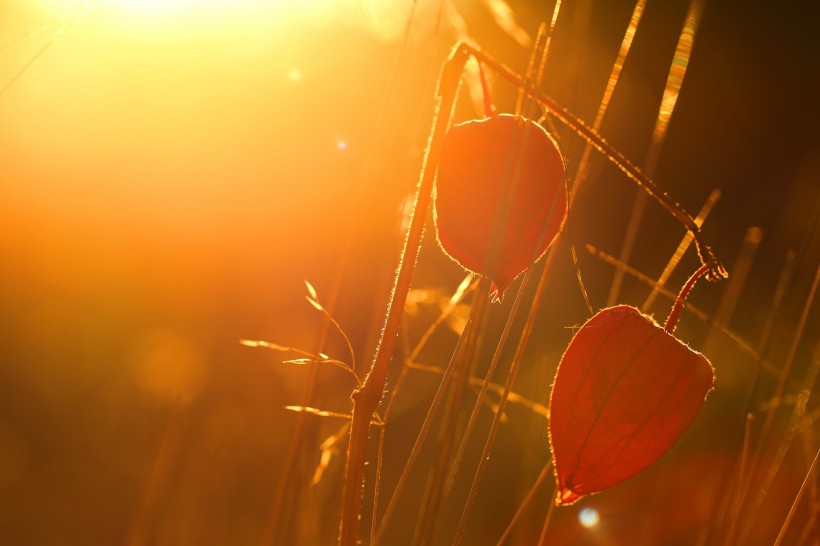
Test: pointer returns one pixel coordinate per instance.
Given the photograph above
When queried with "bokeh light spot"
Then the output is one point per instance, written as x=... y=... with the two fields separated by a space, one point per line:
x=169 y=366
x=588 y=517
x=341 y=145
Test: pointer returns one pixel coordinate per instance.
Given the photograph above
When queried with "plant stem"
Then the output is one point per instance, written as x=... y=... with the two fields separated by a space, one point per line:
x=542 y=540
x=716 y=270
x=367 y=398
x=674 y=314
x=526 y=502
x=793 y=509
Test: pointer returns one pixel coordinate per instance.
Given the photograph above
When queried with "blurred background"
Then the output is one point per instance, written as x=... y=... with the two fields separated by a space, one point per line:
x=171 y=172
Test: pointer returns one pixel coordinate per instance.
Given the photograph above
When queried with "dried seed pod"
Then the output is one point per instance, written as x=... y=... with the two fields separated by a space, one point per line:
x=625 y=391
x=500 y=196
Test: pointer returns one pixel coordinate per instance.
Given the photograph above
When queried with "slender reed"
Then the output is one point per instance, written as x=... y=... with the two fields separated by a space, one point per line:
x=799 y=496
x=545 y=471
x=367 y=398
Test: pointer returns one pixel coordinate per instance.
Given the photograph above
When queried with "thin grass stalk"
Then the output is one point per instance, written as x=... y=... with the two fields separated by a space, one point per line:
x=614 y=76
x=736 y=499
x=411 y=357
x=70 y=19
x=287 y=474
x=797 y=412
x=298 y=430
x=512 y=173
x=784 y=374
x=807 y=531
x=783 y=282
x=31 y=31
x=678 y=254
x=141 y=528
x=518 y=357
x=542 y=41
x=519 y=296
x=475 y=381
x=779 y=540
x=740 y=271
x=463 y=289
x=542 y=539
x=674 y=81
x=809 y=447
x=457 y=356
x=545 y=471
x=697 y=312
x=447 y=431
x=451 y=475
x=580 y=177
x=367 y=398
x=578 y=126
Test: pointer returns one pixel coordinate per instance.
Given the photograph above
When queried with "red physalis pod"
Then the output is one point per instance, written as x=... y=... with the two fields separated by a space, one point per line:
x=500 y=196
x=625 y=391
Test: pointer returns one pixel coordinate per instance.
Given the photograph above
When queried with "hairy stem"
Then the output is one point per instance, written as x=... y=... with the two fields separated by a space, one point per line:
x=716 y=270
x=674 y=314
x=367 y=397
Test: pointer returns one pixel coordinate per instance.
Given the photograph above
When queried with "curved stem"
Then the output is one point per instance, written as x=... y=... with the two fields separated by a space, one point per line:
x=674 y=314
x=716 y=270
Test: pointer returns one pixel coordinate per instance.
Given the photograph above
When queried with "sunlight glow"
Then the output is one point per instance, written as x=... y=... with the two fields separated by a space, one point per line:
x=588 y=517
x=165 y=7
x=342 y=145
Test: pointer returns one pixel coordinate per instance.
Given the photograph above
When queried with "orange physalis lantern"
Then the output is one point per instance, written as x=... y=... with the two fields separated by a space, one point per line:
x=625 y=391
x=500 y=196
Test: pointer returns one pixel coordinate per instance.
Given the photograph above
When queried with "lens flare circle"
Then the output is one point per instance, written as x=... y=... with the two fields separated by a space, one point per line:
x=588 y=517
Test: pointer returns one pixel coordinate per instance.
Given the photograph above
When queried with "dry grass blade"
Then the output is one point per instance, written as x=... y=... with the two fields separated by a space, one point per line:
x=313 y=299
x=542 y=540
x=277 y=347
x=739 y=342
x=809 y=448
x=449 y=423
x=68 y=20
x=737 y=497
x=536 y=407
x=795 y=418
x=328 y=448
x=422 y=436
x=580 y=128
x=505 y=18
x=545 y=471
x=614 y=76
x=674 y=81
x=482 y=393
x=467 y=285
x=338 y=363
x=678 y=254
x=799 y=496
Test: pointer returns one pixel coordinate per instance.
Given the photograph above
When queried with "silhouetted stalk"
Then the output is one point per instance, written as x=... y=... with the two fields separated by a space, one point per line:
x=579 y=127
x=447 y=430
x=367 y=398
x=674 y=81
x=542 y=540
x=458 y=355
x=545 y=471
x=798 y=411
x=799 y=496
